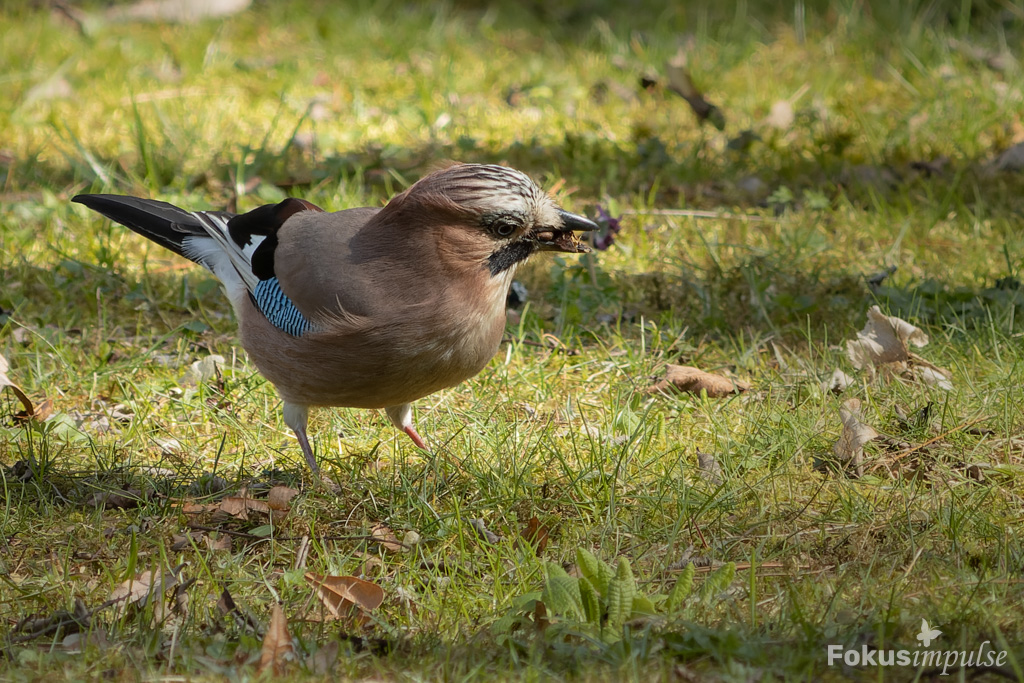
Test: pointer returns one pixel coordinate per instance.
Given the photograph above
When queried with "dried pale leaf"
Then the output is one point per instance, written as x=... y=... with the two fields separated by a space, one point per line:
x=203 y=370
x=139 y=589
x=838 y=382
x=95 y=637
x=709 y=468
x=934 y=376
x=850 y=446
x=781 y=115
x=241 y=506
x=384 y=536
x=6 y=382
x=693 y=380
x=278 y=650
x=199 y=508
x=175 y=11
x=884 y=339
x=340 y=593
x=279 y=498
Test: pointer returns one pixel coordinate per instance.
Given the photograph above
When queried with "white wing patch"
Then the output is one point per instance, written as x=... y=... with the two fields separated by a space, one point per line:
x=231 y=264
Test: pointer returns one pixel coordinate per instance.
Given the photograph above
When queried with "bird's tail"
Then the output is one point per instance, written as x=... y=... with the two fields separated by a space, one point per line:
x=164 y=223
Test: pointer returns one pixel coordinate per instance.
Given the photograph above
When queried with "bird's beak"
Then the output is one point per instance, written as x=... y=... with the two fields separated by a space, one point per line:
x=564 y=238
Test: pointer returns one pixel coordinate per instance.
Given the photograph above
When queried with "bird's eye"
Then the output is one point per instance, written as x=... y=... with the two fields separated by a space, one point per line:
x=505 y=228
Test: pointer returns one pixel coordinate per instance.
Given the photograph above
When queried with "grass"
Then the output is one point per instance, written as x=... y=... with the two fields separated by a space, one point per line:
x=898 y=114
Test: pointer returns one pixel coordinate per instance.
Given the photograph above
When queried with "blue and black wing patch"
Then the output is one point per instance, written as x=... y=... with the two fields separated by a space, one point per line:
x=279 y=309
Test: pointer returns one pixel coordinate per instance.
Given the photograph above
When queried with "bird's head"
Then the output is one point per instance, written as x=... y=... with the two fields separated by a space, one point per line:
x=489 y=217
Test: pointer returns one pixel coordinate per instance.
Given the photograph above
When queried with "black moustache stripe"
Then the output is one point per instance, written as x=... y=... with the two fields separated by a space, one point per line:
x=509 y=255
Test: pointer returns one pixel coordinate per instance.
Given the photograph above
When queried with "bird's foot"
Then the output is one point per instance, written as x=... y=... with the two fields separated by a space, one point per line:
x=414 y=435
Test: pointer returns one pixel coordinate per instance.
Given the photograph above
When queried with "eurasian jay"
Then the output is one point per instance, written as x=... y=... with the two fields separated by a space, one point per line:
x=367 y=307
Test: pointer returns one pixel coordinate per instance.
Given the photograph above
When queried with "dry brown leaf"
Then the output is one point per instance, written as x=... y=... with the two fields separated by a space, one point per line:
x=279 y=498
x=340 y=594
x=227 y=607
x=240 y=506
x=681 y=83
x=694 y=381
x=125 y=499
x=850 y=446
x=483 y=532
x=39 y=413
x=199 y=508
x=536 y=534
x=278 y=651
x=137 y=591
x=5 y=381
x=384 y=536
x=180 y=542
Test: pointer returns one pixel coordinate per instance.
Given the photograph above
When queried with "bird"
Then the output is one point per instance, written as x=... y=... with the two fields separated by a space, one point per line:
x=368 y=307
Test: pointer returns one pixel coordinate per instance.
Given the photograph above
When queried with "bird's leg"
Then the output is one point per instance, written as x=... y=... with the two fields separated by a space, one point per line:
x=297 y=416
x=401 y=417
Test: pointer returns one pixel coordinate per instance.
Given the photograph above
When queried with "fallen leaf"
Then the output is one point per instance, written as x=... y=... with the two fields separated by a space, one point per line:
x=241 y=505
x=709 y=468
x=681 y=83
x=125 y=499
x=884 y=339
x=75 y=643
x=199 y=508
x=850 y=446
x=5 y=382
x=340 y=594
x=227 y=607
x=536 y=534
x=838 y=382
x=883 y=346
x=56 y=87
x=203 y=370
x=936 y=377
x=483 y=532
x=141 y=589
x=279 y=496
x=175 y=11
x=383 y=534
x=278 y=651
x=781 y=115
x=200 y=539
x=694 y=381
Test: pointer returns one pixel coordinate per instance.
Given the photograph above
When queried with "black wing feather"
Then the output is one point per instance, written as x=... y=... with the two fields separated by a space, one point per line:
x=164 y=223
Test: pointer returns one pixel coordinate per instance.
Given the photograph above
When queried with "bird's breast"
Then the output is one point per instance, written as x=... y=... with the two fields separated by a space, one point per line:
x=382 y=361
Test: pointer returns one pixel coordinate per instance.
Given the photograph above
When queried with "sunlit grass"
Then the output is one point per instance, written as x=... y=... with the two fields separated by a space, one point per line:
x=886 y=163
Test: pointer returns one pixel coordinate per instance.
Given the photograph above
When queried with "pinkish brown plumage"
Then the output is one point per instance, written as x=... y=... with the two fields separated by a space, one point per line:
x=368 y=308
